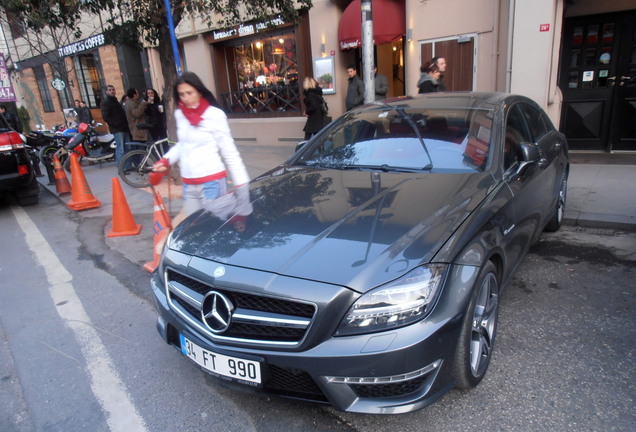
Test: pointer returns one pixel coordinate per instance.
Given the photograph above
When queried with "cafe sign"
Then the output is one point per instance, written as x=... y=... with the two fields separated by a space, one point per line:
x=80 y=46
x=245 y=29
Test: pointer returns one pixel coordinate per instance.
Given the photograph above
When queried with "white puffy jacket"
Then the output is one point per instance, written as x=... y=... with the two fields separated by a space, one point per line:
x=206 y=149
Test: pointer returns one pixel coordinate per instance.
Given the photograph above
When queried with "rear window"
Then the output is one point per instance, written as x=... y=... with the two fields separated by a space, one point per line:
x=412 y=138
x=4 y=126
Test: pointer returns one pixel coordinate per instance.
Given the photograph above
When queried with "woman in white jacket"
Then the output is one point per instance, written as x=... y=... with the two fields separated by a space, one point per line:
x=205 y=149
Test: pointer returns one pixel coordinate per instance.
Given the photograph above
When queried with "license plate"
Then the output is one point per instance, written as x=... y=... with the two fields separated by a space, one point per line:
x=245 y=371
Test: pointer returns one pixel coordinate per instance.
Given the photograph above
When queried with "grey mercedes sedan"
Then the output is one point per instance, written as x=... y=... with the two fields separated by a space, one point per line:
x=365 y=272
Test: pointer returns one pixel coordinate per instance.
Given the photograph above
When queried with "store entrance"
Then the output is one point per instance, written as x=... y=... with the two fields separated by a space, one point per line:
x=598 y=79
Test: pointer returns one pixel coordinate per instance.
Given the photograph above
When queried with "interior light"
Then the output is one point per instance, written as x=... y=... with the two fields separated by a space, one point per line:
x=258 y=45
x=281 y=40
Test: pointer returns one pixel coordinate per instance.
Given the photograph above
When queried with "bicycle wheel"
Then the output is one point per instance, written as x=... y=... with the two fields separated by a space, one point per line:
x=133 y=171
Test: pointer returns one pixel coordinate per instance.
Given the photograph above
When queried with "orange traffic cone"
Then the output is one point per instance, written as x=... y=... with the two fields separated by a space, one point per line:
x=62 y=185
x=161 y=227
x=123 y=220
x=82 y=198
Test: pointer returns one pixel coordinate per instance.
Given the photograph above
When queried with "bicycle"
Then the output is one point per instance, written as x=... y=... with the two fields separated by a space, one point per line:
x=135 y=165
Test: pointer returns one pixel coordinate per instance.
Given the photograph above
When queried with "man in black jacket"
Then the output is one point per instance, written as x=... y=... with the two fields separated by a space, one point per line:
x=12 y=119
x=355 y=89
x=114 y=114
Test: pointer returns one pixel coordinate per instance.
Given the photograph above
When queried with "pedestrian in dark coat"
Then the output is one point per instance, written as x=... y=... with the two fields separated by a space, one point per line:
x=12 y=119
x=428 y=82
x=355 y=89
x=314 y=107
x=381 y=85
x=84 y=114
x=115 y=116
x=155 y=114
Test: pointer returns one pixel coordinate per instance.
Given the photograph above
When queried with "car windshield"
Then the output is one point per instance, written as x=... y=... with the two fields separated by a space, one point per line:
x=394 y=138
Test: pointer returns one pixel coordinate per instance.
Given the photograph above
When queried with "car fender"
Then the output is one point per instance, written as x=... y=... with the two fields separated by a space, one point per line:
x=483 y=232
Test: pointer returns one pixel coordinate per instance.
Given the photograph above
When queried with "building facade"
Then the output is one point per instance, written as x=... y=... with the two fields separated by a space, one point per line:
x=576 y=58
x=518 y=46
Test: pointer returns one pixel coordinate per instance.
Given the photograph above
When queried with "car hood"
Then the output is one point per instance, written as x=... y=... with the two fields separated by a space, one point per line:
x=353 y=228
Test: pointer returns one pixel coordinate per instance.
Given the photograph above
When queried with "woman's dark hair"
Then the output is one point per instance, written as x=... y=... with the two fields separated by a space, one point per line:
x=429 y=67
x=157 y=97
x=192 y=79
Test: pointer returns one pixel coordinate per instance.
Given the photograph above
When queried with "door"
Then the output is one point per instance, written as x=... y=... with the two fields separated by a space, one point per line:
x=596 y=77
x=623 y=130
x=459 y=54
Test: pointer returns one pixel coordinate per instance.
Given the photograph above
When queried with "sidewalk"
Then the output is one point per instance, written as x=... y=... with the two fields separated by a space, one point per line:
x=602 y=191
x=600 y=195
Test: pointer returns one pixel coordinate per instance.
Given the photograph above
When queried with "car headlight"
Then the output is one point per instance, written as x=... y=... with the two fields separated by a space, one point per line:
x=397 y=304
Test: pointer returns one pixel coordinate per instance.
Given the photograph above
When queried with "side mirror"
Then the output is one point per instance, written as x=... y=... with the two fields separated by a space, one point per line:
x=530 y=154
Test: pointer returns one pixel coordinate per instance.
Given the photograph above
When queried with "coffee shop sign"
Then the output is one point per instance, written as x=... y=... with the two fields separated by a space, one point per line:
x=246 y=29
x=83 y=45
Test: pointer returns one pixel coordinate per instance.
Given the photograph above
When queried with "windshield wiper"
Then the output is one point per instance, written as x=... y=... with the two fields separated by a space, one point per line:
x=411 y=123
x=385 y=168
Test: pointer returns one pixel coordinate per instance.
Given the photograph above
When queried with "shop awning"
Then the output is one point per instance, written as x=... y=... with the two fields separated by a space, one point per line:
x=389 y=23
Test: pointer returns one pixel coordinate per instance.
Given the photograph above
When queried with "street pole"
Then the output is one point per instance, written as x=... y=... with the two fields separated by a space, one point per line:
x=173 y=38
x=368 y=76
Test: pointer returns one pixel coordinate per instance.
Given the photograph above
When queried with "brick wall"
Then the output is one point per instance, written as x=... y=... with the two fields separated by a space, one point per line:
x=32 y=100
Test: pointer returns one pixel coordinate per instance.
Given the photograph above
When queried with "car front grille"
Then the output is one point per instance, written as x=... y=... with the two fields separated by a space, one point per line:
x=293 y=383
x=266 y=320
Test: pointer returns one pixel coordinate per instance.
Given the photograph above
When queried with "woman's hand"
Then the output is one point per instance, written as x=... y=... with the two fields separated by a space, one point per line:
x=161 y=165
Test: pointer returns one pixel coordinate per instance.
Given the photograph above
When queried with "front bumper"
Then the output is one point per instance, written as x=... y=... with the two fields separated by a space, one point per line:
x=389 y=372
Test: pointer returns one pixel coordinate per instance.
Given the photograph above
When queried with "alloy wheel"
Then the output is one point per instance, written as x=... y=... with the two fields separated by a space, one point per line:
x=484 y=325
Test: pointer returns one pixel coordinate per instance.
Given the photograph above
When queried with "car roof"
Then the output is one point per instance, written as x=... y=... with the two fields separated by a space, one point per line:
x=473 y=100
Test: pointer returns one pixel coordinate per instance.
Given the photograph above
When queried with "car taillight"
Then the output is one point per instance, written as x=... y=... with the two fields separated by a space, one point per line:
x=23 y=169
x=11 y=141
x=9 y=147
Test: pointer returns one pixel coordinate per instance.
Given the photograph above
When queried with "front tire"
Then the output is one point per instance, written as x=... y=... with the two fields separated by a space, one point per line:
x=559 y=210
x=46 y=154
x=477 y=338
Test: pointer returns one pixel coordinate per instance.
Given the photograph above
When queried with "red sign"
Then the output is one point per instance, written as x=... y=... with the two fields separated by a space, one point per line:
x=544 y=27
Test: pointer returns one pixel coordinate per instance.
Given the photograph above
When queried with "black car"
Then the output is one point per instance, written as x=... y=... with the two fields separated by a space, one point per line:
x=17 y=173
x=365 y=272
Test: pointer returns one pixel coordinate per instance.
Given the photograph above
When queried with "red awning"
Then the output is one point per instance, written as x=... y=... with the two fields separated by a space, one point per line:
x=389 y=23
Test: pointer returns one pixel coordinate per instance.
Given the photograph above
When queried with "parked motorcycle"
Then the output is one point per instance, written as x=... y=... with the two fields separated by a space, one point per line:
x=90 y=146
x=46 y=144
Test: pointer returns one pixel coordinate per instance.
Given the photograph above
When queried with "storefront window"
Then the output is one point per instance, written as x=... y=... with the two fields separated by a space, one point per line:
x=43 y=86
x=88 y=78
x=263 y=75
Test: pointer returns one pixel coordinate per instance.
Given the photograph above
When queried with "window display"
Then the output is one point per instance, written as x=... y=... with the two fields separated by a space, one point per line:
x=265 y=75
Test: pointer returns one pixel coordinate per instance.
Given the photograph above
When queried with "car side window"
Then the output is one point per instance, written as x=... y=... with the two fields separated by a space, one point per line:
x=536 y=122
x=516 y=133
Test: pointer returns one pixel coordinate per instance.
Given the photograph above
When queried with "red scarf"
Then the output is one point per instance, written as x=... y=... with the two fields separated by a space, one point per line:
x=194 y=115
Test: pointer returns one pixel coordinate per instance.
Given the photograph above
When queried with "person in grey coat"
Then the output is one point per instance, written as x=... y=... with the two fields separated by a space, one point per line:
x=381 y=85
x=355 y=89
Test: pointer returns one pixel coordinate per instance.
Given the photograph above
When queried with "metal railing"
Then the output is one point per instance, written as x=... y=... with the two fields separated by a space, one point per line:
x=273 y=98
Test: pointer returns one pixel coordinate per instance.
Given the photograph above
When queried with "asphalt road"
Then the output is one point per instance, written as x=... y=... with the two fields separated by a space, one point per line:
x=564 y=358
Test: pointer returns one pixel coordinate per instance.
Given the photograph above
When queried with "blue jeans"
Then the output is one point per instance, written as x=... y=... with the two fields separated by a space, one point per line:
x=120 y=141
x=198 y=196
